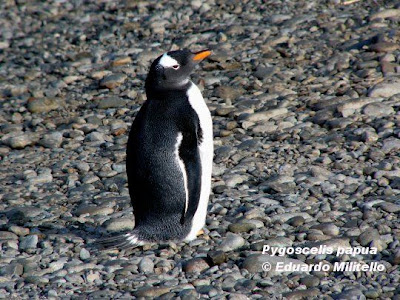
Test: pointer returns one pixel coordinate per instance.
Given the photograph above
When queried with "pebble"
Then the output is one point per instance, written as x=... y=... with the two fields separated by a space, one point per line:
x=255 y=262
x=216 y=257
x=52 y=140
x=20 y=231
x=111 y=102
x=146 y=265
x=241 y=227
x=152 y=292
x=367 y=236
x=390 y=207
x=310 y=281
x=28 y=242
x=20 y=141
x=385 y=89
x=195 y=265
x=231 y=242
x=265 y=115
x=112 y=81
x=43 y=105
x=120 y=224
x=84 y=254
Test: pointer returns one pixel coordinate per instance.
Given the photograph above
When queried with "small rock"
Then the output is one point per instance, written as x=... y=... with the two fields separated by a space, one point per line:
x=28 y=242
x=256 y=263
x=111 y=102
x=264 y=115
x=385 y=89
x=327 y=228
x=113 y=81
x=229 y=93
x=391 y=144
x=120 y=61
x=195 y=265
x=20 y=141
x=216 y=257
x=310 y=281
x=368 y=236
x=241 y=227
x=385 y=14
x=390 y=207
x=152 y=292
x=42 y=105
x=84 y=254
x=232 y=242
x=286 y=216
x=120 y=224
x=146 y=265
x=20 y=231
x=384 y=47
x=296 y=221
x=95 y=137
x=52 y=140
x=38 y=280
x=302 y=294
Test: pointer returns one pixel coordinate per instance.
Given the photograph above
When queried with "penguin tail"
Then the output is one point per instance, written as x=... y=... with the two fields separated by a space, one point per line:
x=123 y=241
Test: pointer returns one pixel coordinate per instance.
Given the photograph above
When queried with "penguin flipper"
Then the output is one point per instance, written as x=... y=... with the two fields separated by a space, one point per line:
x=192 y=162
x=124 y=241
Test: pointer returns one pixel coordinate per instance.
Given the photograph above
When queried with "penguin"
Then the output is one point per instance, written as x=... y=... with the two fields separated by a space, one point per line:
x=169 y=155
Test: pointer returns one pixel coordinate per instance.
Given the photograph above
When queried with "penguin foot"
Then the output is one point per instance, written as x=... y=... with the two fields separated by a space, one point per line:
x=201 y=231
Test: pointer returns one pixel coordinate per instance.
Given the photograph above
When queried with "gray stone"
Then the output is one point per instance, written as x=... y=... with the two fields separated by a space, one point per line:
x=84 y=254
x=111 y=102
x=385 y=89
x=368 y=236
x=112 y=81
x=52 y=140
x=146 y=265
x=43 y=105
x=28 y=242
x=120 y=224
x=195 y=265
x=241 y=227
x=231 y=242
x=256 y=263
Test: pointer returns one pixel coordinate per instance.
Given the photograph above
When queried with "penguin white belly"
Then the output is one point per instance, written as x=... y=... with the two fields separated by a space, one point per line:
x=206 y=149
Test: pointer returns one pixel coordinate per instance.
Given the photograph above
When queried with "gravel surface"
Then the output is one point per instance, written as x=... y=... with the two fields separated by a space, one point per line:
x=305 y=98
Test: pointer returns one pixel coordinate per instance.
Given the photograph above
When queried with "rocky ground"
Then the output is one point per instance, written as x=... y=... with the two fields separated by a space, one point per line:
x=305 y=98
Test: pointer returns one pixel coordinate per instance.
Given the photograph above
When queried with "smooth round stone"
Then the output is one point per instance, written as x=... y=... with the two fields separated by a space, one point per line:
x=146 y=265
x=241 y=227
x=52 y=140
x=84 y=254
x=113 y=81
x=310 y=281
x=296 y=221
x=231 y=242
x=20 y=231
x=43 y=105
x=195 y=265
x=120 y=224
x=111 y=102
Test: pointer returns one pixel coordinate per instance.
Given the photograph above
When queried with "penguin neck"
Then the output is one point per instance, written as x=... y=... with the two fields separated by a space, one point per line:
x=155 y=91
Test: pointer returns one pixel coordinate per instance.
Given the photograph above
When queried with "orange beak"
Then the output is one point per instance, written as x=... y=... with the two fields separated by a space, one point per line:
x=201 y=55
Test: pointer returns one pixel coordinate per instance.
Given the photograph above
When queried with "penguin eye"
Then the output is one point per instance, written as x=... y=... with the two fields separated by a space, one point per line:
x=176 y=67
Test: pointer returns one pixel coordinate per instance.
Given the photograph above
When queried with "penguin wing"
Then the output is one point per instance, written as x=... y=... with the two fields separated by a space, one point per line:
x=190 y=155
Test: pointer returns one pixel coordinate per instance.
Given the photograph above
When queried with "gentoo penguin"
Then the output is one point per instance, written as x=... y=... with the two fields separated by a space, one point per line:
x=169 y=155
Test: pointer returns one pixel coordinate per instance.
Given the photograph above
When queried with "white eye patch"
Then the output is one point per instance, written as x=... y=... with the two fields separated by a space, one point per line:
x=167 y=61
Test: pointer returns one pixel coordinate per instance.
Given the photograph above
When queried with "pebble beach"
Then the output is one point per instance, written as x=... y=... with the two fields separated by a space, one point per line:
x=305 y=101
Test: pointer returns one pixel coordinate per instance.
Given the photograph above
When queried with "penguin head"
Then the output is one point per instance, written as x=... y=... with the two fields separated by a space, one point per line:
x=172 y=70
